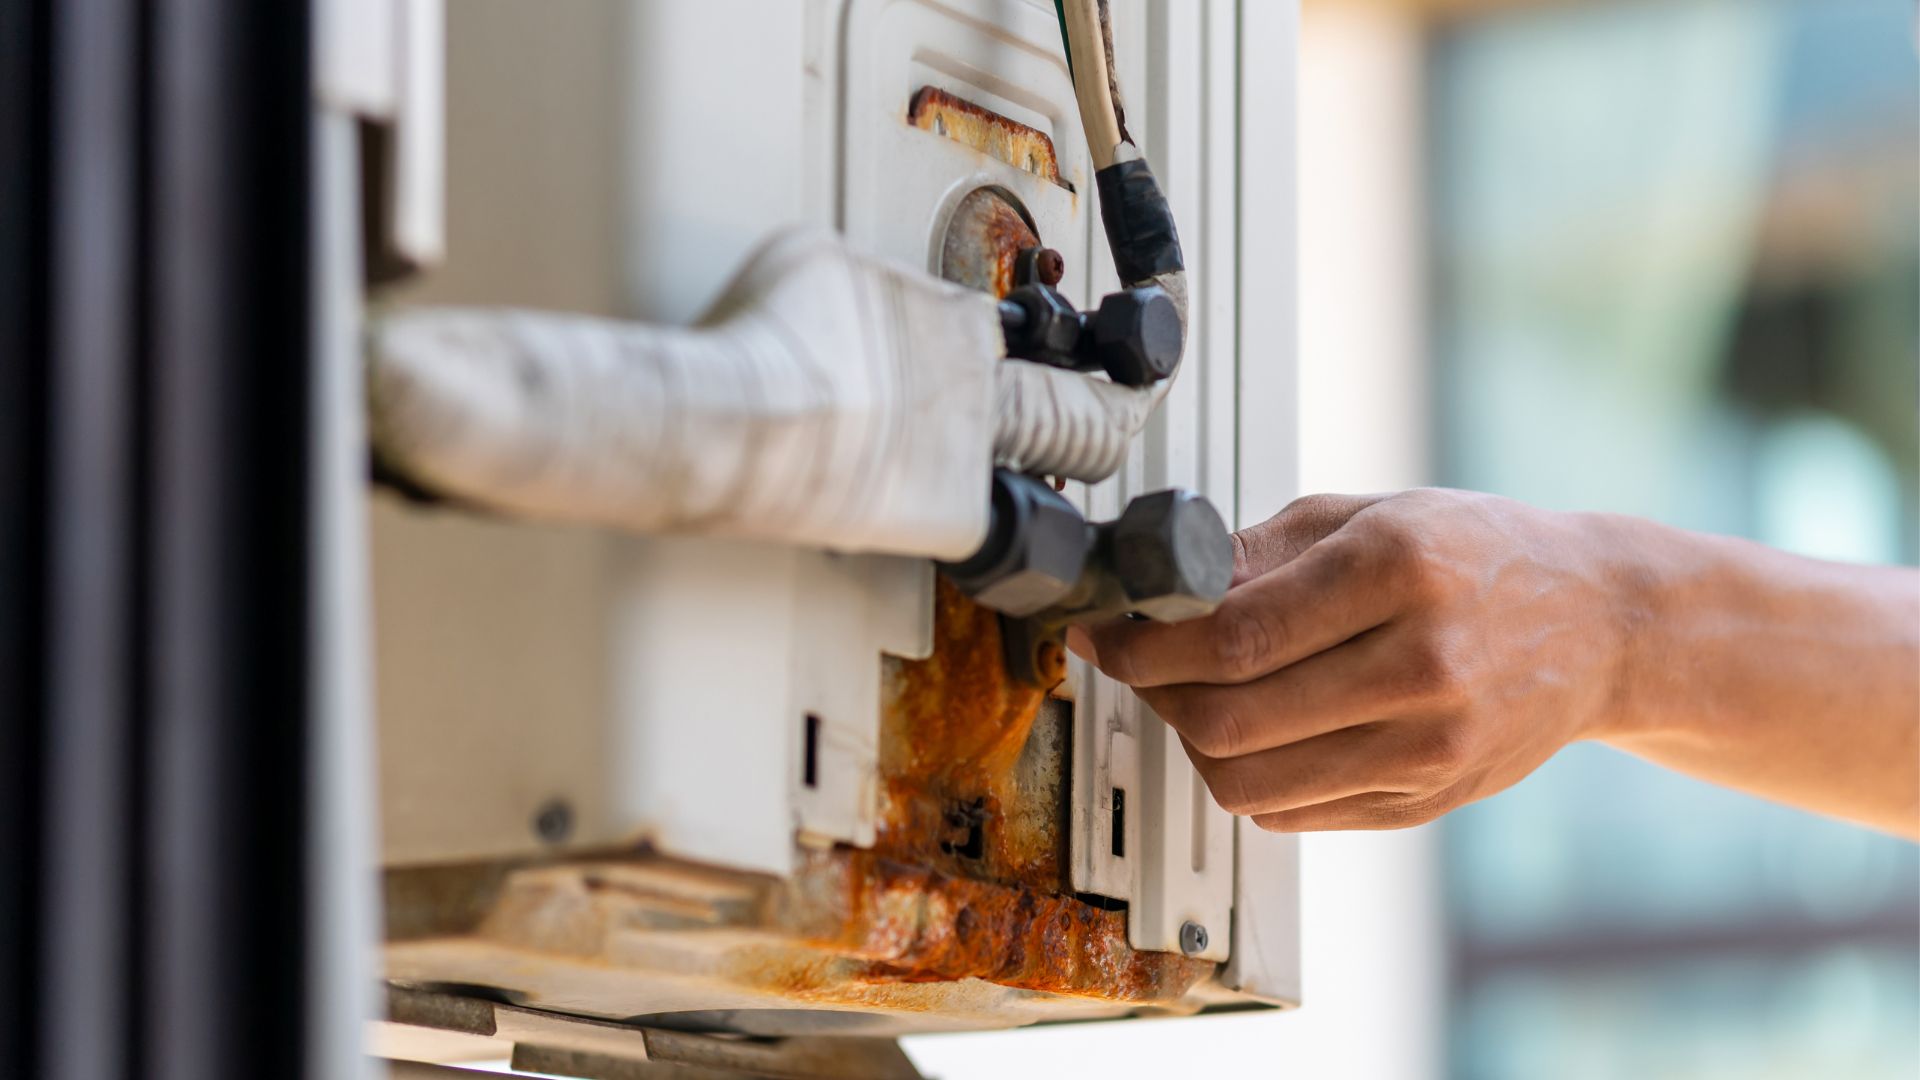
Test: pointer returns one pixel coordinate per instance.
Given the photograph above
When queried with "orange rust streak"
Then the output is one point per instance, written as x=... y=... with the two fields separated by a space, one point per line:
x=913 y=909
x=1008 y=141
x=962 y=719
x=1006 y=234
x=920 y=926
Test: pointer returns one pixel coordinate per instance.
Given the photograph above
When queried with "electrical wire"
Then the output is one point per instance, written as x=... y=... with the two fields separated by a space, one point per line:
x=1062 y=423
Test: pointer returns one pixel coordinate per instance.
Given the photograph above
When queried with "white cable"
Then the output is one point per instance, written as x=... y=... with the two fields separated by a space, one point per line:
x=1092 y=80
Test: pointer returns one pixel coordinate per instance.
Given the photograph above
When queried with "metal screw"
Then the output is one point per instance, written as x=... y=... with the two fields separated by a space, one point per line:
x=1193 y=938
x=1049 y=266
x=553 y=822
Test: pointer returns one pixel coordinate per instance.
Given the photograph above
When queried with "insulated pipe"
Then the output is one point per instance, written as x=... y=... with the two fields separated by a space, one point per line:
x=829 y=398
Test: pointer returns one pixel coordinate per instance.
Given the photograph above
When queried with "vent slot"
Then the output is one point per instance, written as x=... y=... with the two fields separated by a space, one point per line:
x=810 y=753
x=1007 y=141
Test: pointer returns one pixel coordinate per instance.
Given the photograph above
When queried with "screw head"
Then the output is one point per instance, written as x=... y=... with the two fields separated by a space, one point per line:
x=553 y=822
x=1193 y=938
x=1049 y=266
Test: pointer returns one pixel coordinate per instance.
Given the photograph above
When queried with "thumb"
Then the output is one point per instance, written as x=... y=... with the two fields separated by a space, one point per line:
x=1282 y=538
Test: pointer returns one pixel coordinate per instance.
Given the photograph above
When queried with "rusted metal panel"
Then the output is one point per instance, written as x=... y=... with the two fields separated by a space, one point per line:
x=1009 y=141
x=954 y=728
x=966 y=884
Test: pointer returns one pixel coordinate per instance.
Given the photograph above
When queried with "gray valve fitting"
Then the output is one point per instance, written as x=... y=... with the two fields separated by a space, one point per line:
x=1168 y=556
x=1036 y=549
x=1172 y=555
x=1135 y=336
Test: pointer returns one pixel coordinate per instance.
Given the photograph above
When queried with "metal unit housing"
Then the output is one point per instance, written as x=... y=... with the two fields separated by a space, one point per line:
x=613 y=766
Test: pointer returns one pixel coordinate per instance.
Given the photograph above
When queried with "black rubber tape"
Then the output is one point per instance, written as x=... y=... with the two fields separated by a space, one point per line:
x=1139 y=223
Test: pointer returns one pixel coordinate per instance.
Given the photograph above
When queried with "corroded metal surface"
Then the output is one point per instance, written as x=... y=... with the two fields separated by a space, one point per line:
x=1009 y=141
x=960 y=917
x=883 y=946
x=989 y=229
x=953 y=731
x=984 y=239
x=915 y=925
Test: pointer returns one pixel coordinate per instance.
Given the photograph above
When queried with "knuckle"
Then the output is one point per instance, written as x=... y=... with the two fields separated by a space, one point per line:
x=1404 y=556
x=1343 y=560
x=1440 y=755
x=1430 y=677
x=1316 y=505
x=1420 y=809
x=1244 y=638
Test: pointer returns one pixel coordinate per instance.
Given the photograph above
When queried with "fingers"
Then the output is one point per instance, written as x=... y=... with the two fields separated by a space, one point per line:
x=1360 y=681
x=1372 y=810
x=1328 y=595
x=1355 y=778
x=1281 y=538
x=1338 y=765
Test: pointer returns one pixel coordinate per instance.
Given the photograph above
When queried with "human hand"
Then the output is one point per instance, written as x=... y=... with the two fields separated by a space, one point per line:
x=1381 y=660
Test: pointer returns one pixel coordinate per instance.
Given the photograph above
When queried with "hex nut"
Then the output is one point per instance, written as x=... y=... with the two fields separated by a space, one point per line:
x=1173 y=555
x=1036 y=549
x=1053 y=326
x=1137 y=336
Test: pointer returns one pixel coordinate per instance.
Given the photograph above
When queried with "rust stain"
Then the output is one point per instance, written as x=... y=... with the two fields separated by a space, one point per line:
x=1025 y=148
x=967 y=878
x=983 y=242
x=923 y=926
x=960 y=717
x=905 y=924
x=952 y=730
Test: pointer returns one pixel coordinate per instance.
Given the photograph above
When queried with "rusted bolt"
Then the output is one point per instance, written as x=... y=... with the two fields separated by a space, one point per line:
x=1193 y=938
x=1049 y=266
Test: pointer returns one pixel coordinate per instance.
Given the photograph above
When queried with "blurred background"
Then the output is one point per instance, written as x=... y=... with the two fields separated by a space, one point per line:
x=1659 y=257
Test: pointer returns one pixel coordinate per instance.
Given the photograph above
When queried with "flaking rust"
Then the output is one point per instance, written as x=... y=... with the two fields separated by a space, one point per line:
x=962 y=914
x=953 y=730
x=967 y=878
x=1026 y=148
x=916 y=925
x=983 y=243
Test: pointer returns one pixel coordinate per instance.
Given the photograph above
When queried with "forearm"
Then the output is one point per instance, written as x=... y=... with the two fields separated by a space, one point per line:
x=1790 y=678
